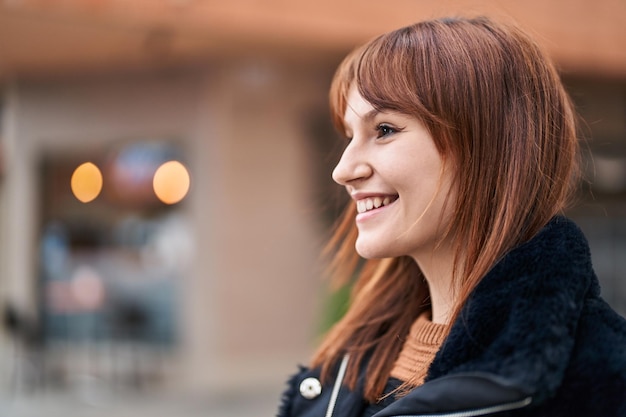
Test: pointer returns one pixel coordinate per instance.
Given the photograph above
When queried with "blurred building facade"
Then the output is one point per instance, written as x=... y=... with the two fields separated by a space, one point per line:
x=224 y=288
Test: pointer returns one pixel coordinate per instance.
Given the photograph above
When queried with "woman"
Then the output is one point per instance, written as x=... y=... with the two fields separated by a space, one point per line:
x=477 y=297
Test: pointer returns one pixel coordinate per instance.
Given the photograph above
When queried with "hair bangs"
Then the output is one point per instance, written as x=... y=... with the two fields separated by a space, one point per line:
x=340 y=87
x=392 y=75
x=389 y=79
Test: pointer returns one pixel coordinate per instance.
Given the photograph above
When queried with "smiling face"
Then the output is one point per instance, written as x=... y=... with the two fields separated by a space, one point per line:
x=393 y=171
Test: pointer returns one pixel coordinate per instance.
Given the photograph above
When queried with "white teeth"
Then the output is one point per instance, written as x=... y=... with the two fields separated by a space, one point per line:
x=368 y=204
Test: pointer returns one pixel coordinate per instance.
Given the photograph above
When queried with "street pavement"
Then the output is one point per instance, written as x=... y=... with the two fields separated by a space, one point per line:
x=261 y=402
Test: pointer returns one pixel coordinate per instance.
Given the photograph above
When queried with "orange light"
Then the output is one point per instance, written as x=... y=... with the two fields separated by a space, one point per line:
x=171 y=182
x=86 y=182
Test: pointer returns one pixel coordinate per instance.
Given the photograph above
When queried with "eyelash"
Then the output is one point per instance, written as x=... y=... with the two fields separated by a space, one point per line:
x=384 y=130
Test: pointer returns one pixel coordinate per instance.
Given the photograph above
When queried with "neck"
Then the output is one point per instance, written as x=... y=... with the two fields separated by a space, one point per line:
x=438 y=268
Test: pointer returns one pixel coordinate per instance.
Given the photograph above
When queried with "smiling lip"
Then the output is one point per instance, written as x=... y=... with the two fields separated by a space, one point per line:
x=371 y=203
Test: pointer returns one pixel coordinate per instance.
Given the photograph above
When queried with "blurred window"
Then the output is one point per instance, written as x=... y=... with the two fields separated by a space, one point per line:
x=110 y=267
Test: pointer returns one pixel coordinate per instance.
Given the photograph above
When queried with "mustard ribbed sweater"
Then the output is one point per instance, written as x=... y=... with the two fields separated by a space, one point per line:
x=419 y=349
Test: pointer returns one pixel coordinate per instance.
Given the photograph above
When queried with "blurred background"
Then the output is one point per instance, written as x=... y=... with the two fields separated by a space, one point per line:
x=165 y=188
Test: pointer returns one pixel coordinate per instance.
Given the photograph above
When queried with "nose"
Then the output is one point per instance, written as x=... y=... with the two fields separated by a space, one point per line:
x=352 y=166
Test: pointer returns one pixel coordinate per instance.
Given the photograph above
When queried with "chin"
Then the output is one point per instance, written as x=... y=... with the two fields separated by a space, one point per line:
x=371 y=251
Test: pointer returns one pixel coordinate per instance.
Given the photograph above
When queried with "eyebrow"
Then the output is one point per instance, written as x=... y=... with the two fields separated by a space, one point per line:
x=367 y=117
x=370 y=114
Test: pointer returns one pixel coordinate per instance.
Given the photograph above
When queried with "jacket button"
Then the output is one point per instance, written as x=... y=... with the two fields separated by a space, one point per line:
x=310 y=388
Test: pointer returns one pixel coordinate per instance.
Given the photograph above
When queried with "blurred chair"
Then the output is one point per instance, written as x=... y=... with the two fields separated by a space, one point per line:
x=26 y=367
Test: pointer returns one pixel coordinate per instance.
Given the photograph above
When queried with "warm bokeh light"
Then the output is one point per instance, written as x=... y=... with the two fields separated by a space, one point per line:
x=86 y=182
x=171 y=182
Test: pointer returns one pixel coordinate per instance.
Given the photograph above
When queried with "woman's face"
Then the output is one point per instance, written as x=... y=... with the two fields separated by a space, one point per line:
x=396 y=177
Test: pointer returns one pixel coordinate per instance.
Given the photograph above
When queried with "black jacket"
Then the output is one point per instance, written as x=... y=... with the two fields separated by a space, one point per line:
x=534 y=339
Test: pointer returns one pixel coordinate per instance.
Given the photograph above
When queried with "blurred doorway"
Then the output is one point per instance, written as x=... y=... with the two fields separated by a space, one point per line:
x=112 y=253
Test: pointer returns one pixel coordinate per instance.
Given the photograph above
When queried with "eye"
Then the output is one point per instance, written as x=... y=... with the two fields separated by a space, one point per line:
x=384 y=129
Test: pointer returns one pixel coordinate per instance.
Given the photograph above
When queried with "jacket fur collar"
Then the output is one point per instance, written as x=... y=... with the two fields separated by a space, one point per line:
x=534 y=339
x=536 y=327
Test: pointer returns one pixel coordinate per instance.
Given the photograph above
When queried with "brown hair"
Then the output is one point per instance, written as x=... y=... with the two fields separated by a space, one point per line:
x=496 y=109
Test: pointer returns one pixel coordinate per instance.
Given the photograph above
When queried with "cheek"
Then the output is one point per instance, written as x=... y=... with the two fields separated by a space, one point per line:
x=417 y=166
x=418 y=185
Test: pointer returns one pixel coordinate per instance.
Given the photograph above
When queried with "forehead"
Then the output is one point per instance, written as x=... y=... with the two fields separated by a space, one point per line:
x=356 y=103
x=360 y=111
x=357 y=108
